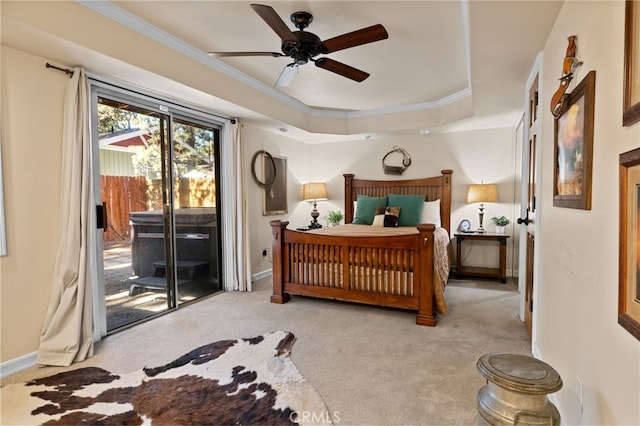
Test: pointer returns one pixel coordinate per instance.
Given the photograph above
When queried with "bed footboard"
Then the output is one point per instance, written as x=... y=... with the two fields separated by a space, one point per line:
x=387 y=271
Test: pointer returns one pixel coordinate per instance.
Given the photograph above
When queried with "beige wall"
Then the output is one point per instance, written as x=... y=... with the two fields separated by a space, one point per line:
x=297 y=172
x=32 y=99
x=576 y=328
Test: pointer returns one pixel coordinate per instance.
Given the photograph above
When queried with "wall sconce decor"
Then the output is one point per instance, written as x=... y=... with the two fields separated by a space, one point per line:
x=396 y=170
x=482 y=193
x=314 y=191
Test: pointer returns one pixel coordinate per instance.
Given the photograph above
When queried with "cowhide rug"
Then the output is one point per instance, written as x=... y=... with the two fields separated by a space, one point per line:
x=241 y=381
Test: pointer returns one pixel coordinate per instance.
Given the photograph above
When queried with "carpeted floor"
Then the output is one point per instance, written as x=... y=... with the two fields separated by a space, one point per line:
x=372 y=366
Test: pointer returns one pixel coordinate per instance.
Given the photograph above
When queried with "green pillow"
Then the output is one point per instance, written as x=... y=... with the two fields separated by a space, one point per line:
x=411 y=207
x=366 y=209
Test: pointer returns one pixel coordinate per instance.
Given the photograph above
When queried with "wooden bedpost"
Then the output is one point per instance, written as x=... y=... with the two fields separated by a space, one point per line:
x=348 y=197
x=446 y=199
x=426 y=310
x=277 y=248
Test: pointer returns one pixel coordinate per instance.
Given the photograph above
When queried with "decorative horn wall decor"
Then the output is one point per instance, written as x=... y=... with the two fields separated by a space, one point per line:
x=569 y=66
x=396 y=170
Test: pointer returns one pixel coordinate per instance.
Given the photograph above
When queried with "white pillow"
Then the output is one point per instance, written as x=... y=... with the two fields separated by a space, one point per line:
x=431 y=212
x=378 y=220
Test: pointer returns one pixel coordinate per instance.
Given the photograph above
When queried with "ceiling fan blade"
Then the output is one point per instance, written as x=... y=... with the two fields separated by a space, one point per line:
x=287 y=75
x=269 y=15
x=356 y=38
x=342 y=69
x=230 y=54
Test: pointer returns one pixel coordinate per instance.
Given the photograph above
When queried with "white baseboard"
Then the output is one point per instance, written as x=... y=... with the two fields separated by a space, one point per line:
x=260 y=275
x=18 y=364
x=535 y=351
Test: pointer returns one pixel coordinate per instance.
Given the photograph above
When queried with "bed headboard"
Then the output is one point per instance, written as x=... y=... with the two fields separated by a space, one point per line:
x=433 y=188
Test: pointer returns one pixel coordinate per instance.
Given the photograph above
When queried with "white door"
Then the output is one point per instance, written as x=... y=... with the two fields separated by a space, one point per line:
x=527 y=218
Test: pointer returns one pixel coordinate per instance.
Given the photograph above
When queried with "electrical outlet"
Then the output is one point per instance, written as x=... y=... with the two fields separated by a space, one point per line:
x=265 y=253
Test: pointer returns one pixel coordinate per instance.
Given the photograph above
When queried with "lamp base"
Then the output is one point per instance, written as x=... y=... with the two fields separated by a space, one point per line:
x=481 y=230
x=314 y=216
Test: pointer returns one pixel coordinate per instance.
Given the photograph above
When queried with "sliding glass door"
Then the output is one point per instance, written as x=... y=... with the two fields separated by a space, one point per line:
x=158 y=186
x=195 y=200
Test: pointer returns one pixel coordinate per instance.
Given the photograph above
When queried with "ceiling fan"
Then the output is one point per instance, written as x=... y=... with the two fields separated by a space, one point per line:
x=303 y=46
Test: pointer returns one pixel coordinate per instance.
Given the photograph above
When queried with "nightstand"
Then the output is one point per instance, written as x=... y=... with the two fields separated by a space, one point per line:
x=475 y=271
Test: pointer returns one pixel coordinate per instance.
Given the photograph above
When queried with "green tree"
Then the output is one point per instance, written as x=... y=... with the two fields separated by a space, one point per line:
x=192 y=144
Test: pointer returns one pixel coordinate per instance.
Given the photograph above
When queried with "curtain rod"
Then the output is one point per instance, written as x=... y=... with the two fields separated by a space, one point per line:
x=146 y=93
x=70 y=74
x=64 y=70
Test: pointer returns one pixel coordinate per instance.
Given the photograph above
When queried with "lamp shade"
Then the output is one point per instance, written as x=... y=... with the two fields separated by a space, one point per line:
x=314 y=191
x=482 y=193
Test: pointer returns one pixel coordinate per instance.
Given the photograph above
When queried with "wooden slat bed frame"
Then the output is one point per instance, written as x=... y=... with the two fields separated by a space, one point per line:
x=388 y=271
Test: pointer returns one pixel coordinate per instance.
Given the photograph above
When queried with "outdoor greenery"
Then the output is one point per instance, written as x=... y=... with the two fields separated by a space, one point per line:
x=193 y=145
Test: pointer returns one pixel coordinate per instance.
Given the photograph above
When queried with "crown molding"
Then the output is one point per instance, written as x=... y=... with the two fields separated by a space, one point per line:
x=119 y=15
x=131 y=21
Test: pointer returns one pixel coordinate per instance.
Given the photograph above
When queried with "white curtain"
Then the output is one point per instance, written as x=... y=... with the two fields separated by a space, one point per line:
x=235 y=237
x=67 y=331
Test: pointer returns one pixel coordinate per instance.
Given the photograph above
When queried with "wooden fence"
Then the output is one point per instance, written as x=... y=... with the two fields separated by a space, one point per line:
x=122 y=195
x=125 y=194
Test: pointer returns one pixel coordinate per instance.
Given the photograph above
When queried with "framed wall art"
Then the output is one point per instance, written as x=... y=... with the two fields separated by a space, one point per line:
x=275 y=197
x=629 y=262
x=631 y=96
x=573 y=150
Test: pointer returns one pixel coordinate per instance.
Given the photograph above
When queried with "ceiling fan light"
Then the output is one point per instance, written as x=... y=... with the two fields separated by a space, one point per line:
x=287 y=75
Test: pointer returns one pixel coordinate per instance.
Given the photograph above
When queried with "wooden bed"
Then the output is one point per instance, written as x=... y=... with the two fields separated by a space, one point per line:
x=392 y=270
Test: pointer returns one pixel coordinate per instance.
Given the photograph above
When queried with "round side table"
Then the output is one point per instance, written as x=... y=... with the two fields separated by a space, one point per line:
x=516 y=390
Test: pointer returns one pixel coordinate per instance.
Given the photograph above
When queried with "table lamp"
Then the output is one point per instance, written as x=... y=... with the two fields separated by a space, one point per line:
x=482 y=193
x=314 y=191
